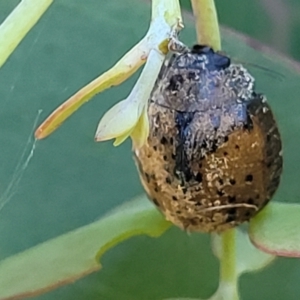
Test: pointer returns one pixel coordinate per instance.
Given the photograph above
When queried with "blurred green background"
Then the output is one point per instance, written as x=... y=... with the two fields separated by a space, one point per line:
x=72 y=181
x=273 y=22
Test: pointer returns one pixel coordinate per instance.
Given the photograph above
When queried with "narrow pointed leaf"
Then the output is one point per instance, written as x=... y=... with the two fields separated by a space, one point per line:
x=122 y=70
x=118 y=121
x=75 y=254
x=120 y=139
x=125 y=115
x=141 y=130
x=18 y=24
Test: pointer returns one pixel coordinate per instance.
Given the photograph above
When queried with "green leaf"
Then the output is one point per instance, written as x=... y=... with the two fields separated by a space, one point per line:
x=72 y=181
x=275 y=230
x=243 y=257
x=18 y=24
x=75 y=254
x=248 y=257
x=182 y=299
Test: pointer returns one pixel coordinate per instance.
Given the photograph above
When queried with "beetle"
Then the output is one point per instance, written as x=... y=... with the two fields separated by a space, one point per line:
x=213 y=157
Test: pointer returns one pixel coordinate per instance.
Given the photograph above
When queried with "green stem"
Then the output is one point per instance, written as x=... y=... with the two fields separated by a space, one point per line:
x=228 y=255
x=18 y=24
x=228 y=273
x=207 y=26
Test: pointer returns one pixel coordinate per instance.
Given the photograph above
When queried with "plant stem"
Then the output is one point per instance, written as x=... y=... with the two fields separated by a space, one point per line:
x=228 y=255
x=228 y=272
x=207 y=26
x=169 y=10
x=18 y=24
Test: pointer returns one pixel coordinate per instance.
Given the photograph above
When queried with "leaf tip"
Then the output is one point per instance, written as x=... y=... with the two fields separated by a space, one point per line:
x=39 y=134
x=43 y=131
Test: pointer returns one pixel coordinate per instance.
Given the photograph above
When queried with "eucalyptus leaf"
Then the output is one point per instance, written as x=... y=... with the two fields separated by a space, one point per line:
x=276 y=229
x=75 y=254
x=248 y=257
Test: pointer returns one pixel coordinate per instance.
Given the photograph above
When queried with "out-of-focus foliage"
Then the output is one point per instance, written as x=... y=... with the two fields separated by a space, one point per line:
x=273 y=22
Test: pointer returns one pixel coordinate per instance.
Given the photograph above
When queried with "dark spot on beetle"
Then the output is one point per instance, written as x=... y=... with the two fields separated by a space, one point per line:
x=155 y=201
x=232 y=181
x=171 y=141
x=147 y=177
x=269 y=164
x=214 y=61
x=178 y=212
x=226 y=139
x=168 y=180
x=249 y=178
x=225 y=153
x=156 y=189
x=276 y=181
x=269 y=152
x=247 y=126
x=198 y=177
x=247 y=213
x=221 y=181
x=200 y=49
x=237 y=147
x=231 y=215
x=220 y=193
x=230 y=218
x=231 y=199
x=214 y=146
x=165 y=157
x=250 y=201
x=198 y=203
x=175 y=82
x=204 y=144
x=182 y=169
x=194 y=221
x=232 y=211
x=221 y=61
x=152 y=176
x=174 y=198
x=154 y=148
x=195 y=143
x=233 y=127
x=157 y=119
x=184 y=190
x=191 y=75
x=164 y=141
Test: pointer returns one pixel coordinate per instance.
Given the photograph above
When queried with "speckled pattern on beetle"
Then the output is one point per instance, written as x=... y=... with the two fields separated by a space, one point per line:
x=213 y=156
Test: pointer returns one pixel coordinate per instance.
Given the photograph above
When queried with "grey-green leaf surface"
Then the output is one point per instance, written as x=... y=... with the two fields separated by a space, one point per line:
x=72 y=181
x=248 y=258
x=276 y=230
x=63 y=260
